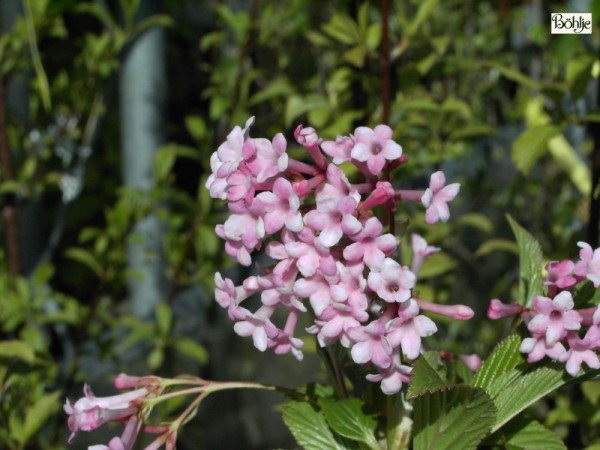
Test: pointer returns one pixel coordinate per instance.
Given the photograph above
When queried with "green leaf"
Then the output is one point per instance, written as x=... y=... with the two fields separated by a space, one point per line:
x=425 y=9
x=155 y=359
x=531 y=144
x=17 y=349
x=478 y=221
x=347 y=418
x=570 y=161
x=164 y=160
x=38 y=414
x=525 y=390
x=530 y=263
x=196 y=126
x=435 y=265
x=342 y=28
x=85 y=258
x=191 y=349
x=458 y=417
x=512 y=74
x=164 y=319
x=472 y=131
x=492 y=245
x=502 y=360
x=309 y=428
x=426 y=375
x=297 y=106
x=531 y=435
x=279 y=87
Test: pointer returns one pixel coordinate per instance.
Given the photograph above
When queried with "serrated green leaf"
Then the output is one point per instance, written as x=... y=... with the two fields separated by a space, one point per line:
x=525 y=390
x=456 y=417
x=190 y=348
x=426 y=375
x=530 y=263
x=38 y=414
x=531 y=144
x=309 y=428
x=492 y=245
x=17 y=349
x=503 y=359
x=347 y=418
x=531 y=435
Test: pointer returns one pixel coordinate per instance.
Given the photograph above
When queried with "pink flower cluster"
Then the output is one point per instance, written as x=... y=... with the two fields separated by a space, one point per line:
x=553 y=321
x=91 y=412
x=327 y=245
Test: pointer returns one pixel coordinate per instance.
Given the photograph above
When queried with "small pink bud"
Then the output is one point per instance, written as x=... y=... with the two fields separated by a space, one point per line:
x=306 y=136
x=498 y=310
x=458 y=312
x=473 y=361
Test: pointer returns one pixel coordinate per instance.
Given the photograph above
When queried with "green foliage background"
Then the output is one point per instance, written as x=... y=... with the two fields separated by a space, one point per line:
x=480 y=89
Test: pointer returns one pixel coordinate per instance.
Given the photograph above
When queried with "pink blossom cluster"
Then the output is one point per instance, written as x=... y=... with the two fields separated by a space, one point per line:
x=329 y=248
x=91 y=412
x=555 y=326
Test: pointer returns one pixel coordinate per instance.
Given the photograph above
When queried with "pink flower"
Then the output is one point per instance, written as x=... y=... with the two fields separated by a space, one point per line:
x=90 y=412
x=582 y=351
x=555 y=317
x=560 y=274
x=269 y=159
x=589 y=265
x=371 y=344
x=537 y=348
x=340 y=149
x=127 y=439
x=436 y=198
x=258 y=326
x=407 y=330
x=370 y=245
x=421 y=251
x=375 y=147
x=285 y=341
x=393 y=377
x=230 y=153
x=393 y=283
x=281 y=207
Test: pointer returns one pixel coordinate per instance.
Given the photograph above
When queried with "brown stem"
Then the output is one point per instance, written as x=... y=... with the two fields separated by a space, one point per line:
x=9 y=211
x=385 y=62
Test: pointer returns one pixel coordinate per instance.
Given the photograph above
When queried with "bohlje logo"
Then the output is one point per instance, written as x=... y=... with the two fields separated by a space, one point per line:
x=571 y=23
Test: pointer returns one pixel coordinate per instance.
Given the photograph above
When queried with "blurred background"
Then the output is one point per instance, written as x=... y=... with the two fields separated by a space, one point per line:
x=110 y=110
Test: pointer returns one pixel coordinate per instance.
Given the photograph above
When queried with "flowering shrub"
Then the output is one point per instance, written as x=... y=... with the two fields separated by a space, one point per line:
x=332 y=247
